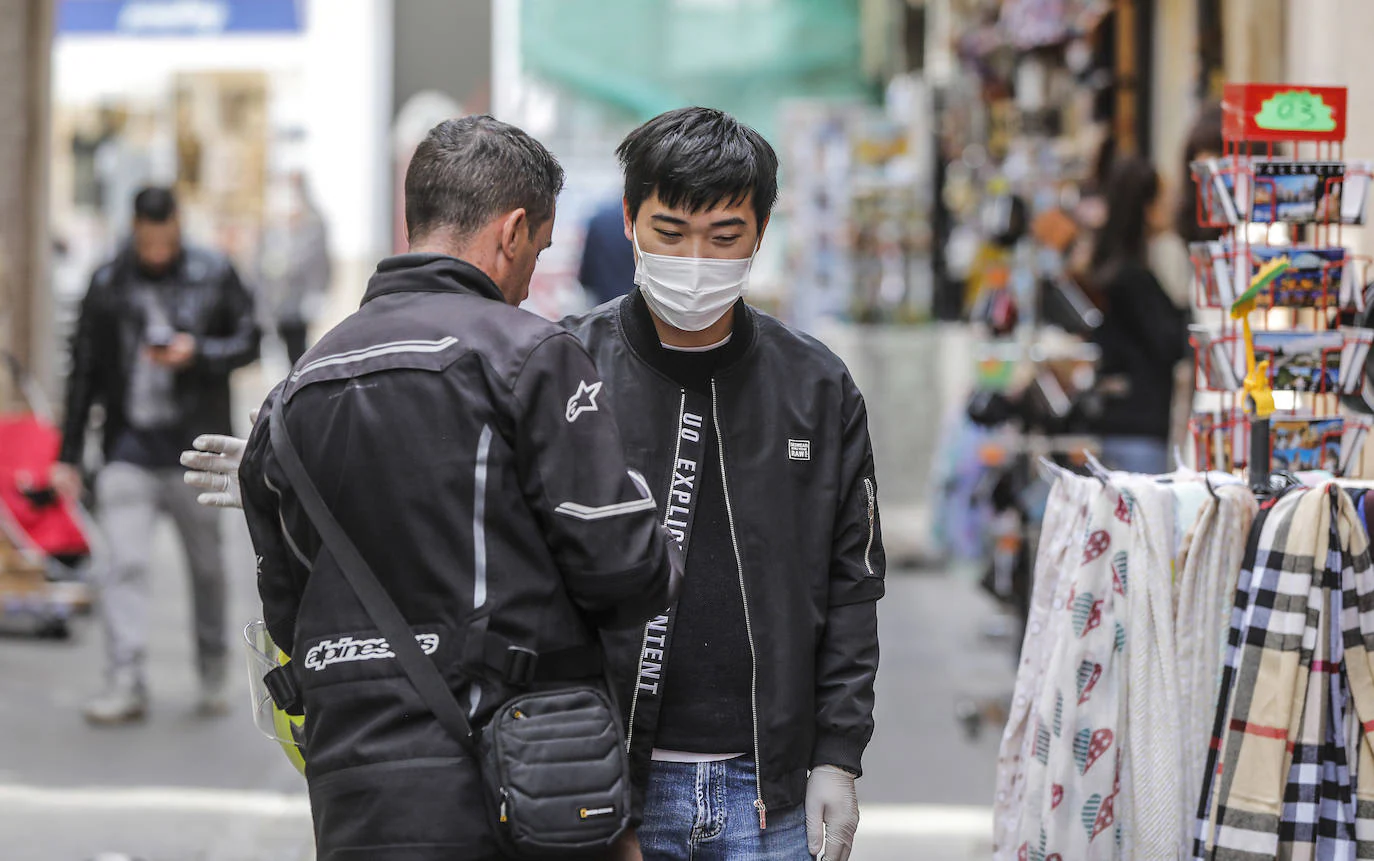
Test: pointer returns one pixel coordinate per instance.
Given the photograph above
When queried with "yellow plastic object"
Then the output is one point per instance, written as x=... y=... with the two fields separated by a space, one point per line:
x=1259 y=396
x=286 y=730
x=1262 y=281
x=293 y=726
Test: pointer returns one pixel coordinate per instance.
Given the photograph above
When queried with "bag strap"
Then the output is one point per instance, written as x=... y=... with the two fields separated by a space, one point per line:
x=423 y=674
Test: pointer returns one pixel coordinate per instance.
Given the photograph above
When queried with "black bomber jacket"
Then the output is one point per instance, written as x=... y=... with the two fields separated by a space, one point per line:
x=802 y=498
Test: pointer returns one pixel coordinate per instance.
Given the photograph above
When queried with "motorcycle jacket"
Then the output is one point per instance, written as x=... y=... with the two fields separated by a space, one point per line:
x=469 y=450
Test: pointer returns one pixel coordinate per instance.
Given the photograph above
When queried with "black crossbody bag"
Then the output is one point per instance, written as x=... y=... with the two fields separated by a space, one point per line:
x=553 y=762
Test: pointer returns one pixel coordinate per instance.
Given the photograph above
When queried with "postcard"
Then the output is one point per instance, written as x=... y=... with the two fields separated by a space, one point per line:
x=1316 y=277
x=1352 y=443
x=1212 y=442
x=1299 y=361
x=1217 y=205
x=1267 y=191
x=1306 y=443
x=1212 y=266
x=1295 y=192
x=1328 y=362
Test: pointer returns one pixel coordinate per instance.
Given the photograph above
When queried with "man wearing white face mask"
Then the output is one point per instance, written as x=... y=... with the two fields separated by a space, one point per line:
x=750 y=703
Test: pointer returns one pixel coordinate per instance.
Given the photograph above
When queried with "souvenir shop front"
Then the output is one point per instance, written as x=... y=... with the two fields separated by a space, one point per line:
x=1195 y=679
x=1034 y=103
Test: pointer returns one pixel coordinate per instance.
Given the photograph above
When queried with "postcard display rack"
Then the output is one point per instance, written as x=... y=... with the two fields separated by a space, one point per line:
x=1283 y=193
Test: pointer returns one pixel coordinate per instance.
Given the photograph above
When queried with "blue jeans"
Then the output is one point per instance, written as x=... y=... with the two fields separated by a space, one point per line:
x=705 y=812
x=1142 y=454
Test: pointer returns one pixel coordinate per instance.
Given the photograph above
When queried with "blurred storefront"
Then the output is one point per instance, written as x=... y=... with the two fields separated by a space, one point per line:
x=1326 y=43
x=914 y=133
x=938 y=155
x=221 y=98
x=1032 y=98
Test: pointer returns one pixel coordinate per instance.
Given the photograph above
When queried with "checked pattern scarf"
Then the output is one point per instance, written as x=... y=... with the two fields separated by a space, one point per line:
x=1290 y=774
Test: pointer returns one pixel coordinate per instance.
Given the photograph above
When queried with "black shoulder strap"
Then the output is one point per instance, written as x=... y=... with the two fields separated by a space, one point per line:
x=423 y=674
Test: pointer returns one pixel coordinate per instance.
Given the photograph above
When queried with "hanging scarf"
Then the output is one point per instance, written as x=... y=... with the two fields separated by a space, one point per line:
x=1149 y=808
x=1073 y=776
x=1209 y=566
x=1066 y=516
x=1298 y=693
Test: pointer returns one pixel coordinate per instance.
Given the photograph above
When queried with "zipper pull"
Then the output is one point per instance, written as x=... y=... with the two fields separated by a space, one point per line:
x=503 y=804
x=763 y=813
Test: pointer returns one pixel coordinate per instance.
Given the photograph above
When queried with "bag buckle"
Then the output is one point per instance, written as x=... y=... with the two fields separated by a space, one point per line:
x=520 y=666
x=285 y=692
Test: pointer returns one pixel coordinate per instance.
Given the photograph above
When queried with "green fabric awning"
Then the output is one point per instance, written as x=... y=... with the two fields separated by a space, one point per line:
x=743 y=56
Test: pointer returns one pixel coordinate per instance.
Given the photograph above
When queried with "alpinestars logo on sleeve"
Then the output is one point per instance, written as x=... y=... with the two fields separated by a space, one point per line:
x=584 y=401
x=346 y=650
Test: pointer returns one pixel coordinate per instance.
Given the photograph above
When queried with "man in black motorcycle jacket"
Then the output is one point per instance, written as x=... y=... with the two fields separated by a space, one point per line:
x=469 y=451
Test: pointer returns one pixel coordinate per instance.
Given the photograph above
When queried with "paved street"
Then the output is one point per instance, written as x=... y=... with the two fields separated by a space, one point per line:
x=183 y=789
x=177 y=788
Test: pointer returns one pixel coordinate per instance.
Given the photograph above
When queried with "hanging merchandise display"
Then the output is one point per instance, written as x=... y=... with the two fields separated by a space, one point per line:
x=1110 y=723
x=855 y=208
x=1131 y=737
x=1195 y=677
x=1017 y=163
x=1021 y=124
x=1298 y=302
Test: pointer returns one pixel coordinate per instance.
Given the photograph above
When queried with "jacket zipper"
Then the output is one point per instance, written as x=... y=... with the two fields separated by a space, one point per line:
x=872 y=511
x=748 y=624
x=639 y=665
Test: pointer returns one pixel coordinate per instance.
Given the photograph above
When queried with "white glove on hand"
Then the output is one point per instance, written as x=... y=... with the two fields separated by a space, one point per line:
x=832 y=813
x=214 y=468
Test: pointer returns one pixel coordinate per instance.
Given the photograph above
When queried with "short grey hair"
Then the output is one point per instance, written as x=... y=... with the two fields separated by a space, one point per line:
x=471 y=170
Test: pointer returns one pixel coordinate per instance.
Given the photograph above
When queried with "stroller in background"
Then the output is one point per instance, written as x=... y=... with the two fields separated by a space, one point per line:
x=44 y=538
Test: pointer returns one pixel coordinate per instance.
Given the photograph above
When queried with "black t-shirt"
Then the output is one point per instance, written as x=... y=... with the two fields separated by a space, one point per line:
x=708 y=676
x=153 y=437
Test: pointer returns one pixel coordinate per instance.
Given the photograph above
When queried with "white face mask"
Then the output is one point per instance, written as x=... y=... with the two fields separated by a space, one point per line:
x=690 y=293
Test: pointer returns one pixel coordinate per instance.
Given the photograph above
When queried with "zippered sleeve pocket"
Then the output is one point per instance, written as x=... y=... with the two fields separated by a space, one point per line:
x=871 y=492
x=874 y=560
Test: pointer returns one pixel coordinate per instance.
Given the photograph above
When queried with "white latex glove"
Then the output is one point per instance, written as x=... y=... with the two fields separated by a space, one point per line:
x=214 y=467
x=832 y=813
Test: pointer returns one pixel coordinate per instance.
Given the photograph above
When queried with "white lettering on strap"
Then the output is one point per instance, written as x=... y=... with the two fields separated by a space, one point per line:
x=651 y=661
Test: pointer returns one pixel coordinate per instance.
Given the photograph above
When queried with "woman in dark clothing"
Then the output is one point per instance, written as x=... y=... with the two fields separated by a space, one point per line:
x=1204 y=141
x=1143 y=335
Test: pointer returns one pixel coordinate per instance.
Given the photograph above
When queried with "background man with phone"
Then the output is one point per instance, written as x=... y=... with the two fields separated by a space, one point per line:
x=161 y=328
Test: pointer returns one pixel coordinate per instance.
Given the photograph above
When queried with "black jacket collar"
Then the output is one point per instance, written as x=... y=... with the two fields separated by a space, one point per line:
x=429 y=273
x=127 y=263
x=638 y=325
